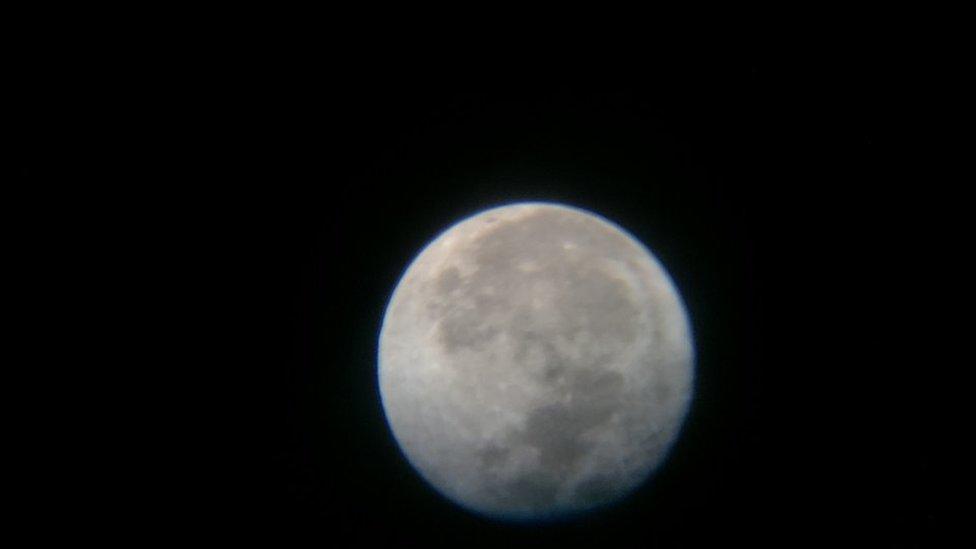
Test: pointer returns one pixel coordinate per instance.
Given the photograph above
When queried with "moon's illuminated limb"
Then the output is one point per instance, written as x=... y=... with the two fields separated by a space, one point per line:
x=535 y=360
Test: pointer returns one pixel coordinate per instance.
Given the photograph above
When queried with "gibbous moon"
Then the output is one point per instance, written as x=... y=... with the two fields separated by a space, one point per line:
x=535 y=362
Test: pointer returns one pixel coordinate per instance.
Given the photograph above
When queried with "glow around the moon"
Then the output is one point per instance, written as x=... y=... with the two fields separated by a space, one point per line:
x=535 y=361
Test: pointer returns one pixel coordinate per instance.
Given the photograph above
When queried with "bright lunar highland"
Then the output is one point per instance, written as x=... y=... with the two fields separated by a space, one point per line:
x=535 y=362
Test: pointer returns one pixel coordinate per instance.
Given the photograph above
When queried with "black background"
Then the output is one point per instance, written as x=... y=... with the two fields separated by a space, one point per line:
x=268 y=203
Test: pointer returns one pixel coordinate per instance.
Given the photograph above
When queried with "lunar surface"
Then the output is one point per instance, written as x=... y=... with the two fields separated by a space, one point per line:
x=535 y=362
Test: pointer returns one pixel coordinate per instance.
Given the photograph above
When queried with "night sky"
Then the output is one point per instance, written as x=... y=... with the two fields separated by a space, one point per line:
x=288 y=197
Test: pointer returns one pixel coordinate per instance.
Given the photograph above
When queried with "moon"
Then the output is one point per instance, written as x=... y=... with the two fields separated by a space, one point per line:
x=535 y=362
